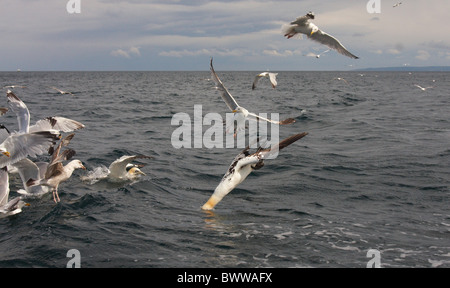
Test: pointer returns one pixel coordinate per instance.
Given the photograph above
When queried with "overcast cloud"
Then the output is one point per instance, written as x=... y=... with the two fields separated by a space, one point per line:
x=240 y=35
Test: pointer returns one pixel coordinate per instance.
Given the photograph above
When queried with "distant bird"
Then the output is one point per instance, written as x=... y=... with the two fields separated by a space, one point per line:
x=303 y=25
x=8 y=207
x=56 y=172
x=272 y=77
x=341 y=79
x=119 y=170
x=317 y=55
x=240 y=112
x=14 y=86
x=397 y=4
x=3 y=111
x=243 y=164
x=61 y=91
x=422 y=88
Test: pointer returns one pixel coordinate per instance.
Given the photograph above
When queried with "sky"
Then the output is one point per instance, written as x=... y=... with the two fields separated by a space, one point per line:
x=178 y=35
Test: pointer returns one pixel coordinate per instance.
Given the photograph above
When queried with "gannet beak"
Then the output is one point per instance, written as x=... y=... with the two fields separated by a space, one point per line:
x=6 y=153
x=212 y=202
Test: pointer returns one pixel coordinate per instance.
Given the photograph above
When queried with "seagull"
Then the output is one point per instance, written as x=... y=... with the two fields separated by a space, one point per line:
x=272 y=77
x=341 y=79
x=50 y=123
x=397 y=4
x=243 y=164
x=317 y=55
x=422 y=88
x=12 y=207
x=28 y=169
x=304 y=25
x=14 y=86
x=239 y=111
x=121 y=169
x=16 y=147
x=61 y=91
x=56 y=172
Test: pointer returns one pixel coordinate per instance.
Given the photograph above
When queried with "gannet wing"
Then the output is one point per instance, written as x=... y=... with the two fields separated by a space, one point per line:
x=118 y=167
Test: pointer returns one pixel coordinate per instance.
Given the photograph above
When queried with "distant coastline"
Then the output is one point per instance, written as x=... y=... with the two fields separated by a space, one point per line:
x=409 y=68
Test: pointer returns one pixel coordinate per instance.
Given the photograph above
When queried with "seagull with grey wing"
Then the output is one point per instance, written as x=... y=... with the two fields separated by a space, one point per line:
x=303 y=25
x=241 y=114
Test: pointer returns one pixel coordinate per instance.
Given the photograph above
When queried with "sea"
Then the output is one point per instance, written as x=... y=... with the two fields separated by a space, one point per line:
x=367 y=187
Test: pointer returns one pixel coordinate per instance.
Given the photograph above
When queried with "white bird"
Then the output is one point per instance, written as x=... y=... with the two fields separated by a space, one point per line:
x=14 y=86
x=317 y=55
x=243 y=164
x=28 y=169
x=340 y=79
x=56 y=172
x=50 y=123
x=62 y=92
x=19 y=146
x=13 y=206
x=303 y=25
x=397 y=4
x=120 y=170
x=272 y=78
x=422 y=88
x=239 y=111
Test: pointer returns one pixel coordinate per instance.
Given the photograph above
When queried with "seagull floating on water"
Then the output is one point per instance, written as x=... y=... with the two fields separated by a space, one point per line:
x=303 y=25
x=243 y=164
x=13 y=206
x=56 y=172
x=240 y=112
x=272 y=78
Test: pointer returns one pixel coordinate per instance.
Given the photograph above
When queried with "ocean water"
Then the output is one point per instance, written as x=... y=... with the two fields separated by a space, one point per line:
x=373 y=173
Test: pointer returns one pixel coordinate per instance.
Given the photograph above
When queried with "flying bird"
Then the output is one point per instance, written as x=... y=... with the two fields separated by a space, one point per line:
x=8 y=207
x=62 y=92
x=243 y=164
x=422 y=88
x=303 y=25
x=50 y=123
x=16 y=147
x=397 y=4
x=272 y=77
x=14 y=86
x=28 y=169
x=56 y=172
x=240 y=112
